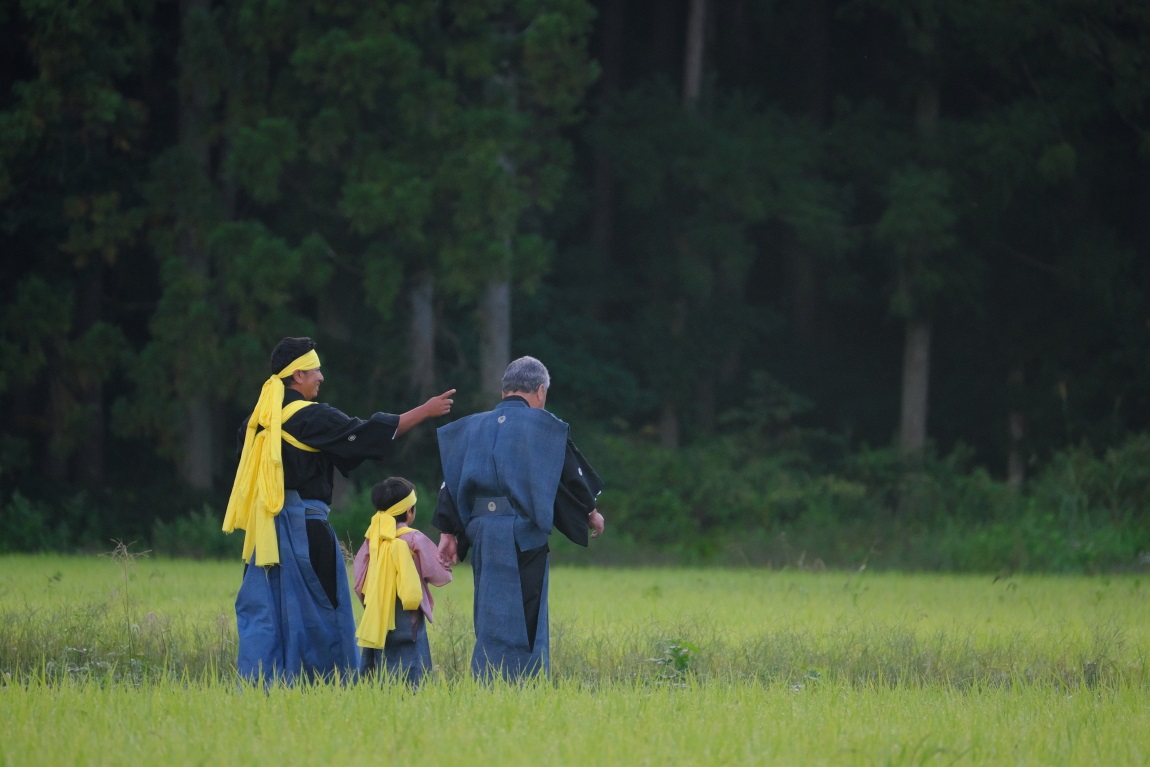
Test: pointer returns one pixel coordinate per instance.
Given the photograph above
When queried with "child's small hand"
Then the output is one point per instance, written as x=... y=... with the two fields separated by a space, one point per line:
x=448 y=551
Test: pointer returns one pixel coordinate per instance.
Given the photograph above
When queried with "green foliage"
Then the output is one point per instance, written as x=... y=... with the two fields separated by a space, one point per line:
x=769 y=506
x=917 y=226
x=675 y=659
x=1079 y=484
x=183 y=186
x=24 y=524
x=34 y=321
x=41 y=328
x=60 y=524
x=261 y=154
x=698 y=186
x=196 y=535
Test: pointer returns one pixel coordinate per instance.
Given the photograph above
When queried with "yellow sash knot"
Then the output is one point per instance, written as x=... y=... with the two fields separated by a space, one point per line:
x=258 y=491
x=391 y=574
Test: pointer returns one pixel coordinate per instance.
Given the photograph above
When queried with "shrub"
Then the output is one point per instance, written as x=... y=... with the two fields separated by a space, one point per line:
x=25 y=525
x=1079 y=486
x=196 y=535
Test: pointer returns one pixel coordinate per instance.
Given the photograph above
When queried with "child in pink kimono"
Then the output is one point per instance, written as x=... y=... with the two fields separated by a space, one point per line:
x=393 y=568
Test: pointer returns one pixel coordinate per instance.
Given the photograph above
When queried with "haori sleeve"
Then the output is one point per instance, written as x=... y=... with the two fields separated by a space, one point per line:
x=446 y=520
x=579 y=484
x=346 y=440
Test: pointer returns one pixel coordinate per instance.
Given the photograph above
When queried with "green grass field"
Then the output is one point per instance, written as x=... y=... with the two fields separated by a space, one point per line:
x=108 y=661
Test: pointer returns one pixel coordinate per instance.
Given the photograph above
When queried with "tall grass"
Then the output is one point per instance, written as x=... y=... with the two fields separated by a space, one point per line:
x=119 y=617
x=177 y=721
x=137 y=619
x=131 y=660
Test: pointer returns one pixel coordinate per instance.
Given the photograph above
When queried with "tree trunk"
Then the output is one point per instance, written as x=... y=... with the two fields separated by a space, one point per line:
x=665 y=55
x=670 y=432
x=693 y=58
x=803 y=292
x=1015 y=462
x=1144 y=222
x=611 y=54
x=804 y=289
x=494 y=336
x=916 y=353
x=1016 y=430
x=915 y=387
x=334 y=312
x=197 y=460
x=603 y=214
x=422 y=336
x=199 y=455
x=669 y=435
x=59 y=406
x=89 y=468
x=723 y=376
x=815 y=60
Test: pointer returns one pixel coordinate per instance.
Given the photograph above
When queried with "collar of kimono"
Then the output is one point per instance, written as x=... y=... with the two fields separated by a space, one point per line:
x=258 y=492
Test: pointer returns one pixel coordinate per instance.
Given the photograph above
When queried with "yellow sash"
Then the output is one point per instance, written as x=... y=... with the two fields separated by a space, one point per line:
x=289 y=410
x=391 y=573
x=258 y=492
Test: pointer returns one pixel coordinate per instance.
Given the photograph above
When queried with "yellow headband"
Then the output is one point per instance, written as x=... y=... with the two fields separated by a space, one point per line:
x=309 y=361
x=258 y=491
x=400 y=508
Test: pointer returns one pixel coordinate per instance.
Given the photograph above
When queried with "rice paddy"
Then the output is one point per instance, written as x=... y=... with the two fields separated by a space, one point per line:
x=115 y=660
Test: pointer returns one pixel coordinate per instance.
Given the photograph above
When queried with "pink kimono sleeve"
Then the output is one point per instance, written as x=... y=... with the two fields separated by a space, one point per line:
x=359 y=569
x=427 y=560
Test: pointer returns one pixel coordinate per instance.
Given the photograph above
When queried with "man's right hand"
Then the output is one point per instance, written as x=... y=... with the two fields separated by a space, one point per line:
x=440 y=405
x=448 y=552
x=433 y=408
x=595 y=522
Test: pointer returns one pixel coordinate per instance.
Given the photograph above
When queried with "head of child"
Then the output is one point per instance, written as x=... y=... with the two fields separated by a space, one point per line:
x=390 y=492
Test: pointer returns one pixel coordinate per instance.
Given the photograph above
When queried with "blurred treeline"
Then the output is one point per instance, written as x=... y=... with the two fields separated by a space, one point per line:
x=834 y=280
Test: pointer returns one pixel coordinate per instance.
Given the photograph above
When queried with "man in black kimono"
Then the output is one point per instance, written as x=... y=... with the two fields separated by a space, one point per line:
x=510 y=475
x=293 y=610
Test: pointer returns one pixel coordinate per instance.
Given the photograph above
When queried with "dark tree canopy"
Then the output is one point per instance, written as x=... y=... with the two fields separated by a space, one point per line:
x=917 y=224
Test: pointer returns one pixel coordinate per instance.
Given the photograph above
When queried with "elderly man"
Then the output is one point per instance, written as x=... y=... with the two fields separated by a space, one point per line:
x=293 y=610
x=510 y=475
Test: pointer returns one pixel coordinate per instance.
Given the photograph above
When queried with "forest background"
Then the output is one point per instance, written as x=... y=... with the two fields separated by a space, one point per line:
x=823 y=283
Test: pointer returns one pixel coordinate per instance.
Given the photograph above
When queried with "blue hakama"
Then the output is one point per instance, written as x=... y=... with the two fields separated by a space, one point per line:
x=288 y=627
x=406 y=654
x=502 y=643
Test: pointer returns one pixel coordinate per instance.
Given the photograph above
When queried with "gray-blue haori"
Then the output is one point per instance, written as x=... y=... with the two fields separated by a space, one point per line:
x=502 y=469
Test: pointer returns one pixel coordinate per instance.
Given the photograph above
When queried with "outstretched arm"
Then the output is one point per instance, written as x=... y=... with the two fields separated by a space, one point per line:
x=433 y=408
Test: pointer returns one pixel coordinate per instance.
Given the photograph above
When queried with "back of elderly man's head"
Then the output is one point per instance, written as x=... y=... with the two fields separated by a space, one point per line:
x=525 y=375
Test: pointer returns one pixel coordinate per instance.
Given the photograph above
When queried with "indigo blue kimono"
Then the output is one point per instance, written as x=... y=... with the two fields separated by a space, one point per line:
x=511 y=475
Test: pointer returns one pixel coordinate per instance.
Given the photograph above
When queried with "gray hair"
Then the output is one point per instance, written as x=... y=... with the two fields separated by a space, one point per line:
x=525 y=374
